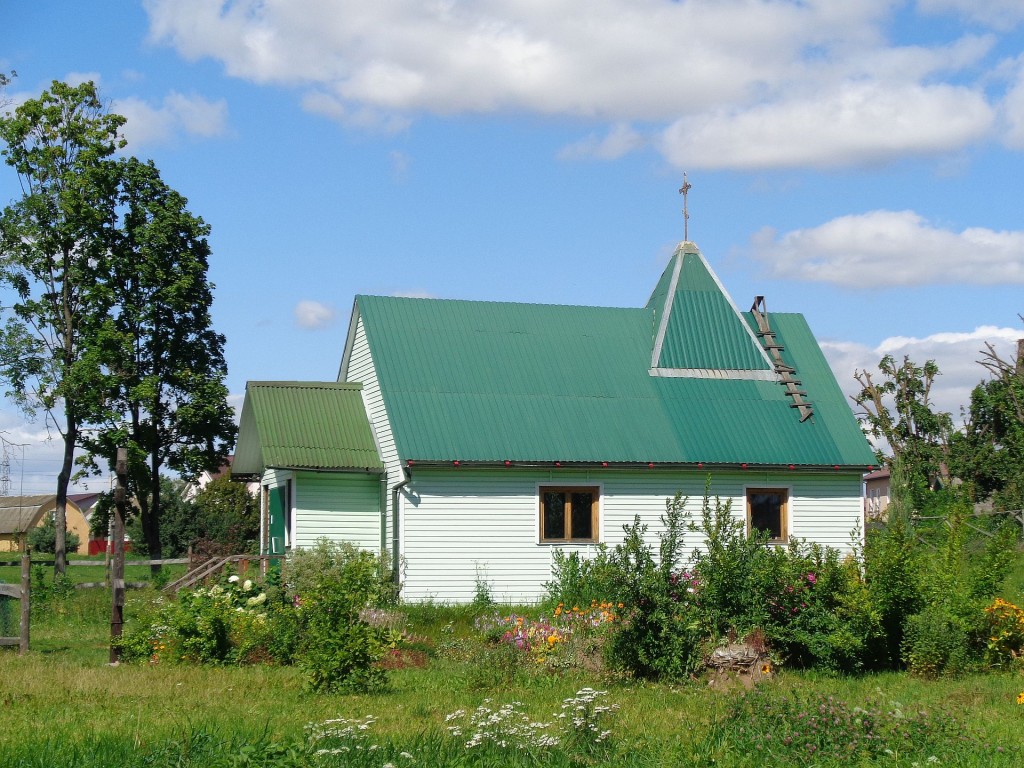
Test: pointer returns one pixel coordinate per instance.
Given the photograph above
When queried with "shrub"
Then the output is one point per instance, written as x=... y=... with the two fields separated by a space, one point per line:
x=43 y=538
x=366 y=577
x=330 y=584
x=578 y=580
x=231 y=622
x=934 y=643
x=661 y=632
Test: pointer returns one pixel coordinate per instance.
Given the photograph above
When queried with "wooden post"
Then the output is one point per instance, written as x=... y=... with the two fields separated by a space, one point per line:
x=26 y=602
x=117 y=563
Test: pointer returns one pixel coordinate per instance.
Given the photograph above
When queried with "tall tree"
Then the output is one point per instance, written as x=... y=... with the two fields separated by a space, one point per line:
x=899 y=410
x=168 y=397
x=54 y=245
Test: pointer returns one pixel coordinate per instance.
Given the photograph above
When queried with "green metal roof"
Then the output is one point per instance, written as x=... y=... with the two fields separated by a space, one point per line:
x=491 y=381
x=697 y=327
x=304 y=425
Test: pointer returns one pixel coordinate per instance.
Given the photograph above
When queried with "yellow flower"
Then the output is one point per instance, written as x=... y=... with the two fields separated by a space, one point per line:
x=1020 y=697
x=766 y=669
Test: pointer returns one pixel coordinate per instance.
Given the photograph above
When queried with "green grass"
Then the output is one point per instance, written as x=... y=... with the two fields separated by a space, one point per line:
x=63 y=705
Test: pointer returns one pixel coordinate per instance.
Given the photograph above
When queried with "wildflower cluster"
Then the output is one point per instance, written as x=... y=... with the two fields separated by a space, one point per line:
x=507 y=727
x=542 y=637
x=587 y=717
x=341 y=736
x=579 y=725
x=1005 y=633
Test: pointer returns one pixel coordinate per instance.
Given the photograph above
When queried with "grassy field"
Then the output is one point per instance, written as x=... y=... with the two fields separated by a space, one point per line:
x=63 y=706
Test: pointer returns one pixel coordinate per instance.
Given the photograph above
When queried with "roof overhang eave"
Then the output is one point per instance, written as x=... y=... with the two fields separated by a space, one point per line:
x=636 y=465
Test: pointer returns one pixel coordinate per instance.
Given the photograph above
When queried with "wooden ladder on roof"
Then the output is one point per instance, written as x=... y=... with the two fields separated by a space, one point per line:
x=785 y=371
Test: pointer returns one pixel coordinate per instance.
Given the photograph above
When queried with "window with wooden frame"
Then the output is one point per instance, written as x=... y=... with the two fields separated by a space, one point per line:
x=768 y=512
x=568 y=514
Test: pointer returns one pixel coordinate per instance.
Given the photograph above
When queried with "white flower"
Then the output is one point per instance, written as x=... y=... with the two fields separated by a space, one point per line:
x=247 y=585
x=260 y=598
x=232 y=579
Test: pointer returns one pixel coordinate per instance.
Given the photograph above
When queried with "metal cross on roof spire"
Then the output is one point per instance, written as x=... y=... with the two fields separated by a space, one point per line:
x=684 y=191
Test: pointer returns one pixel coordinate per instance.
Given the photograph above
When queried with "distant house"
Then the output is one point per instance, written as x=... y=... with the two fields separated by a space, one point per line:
x=472 y=440
x=87 y=503
x=876 y=495
x=206 y=477
x=20 y=514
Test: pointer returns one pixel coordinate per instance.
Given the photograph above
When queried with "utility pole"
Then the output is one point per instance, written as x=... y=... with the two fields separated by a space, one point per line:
x=117 y=566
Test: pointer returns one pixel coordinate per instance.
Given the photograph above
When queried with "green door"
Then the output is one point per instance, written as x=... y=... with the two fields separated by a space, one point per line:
x=277 y=513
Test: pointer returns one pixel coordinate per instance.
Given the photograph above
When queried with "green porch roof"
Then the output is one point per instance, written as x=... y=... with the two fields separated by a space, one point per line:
x=304 y=425
x=491 y=381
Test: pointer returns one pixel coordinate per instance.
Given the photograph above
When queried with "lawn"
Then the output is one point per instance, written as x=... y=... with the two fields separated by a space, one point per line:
x=62 y=705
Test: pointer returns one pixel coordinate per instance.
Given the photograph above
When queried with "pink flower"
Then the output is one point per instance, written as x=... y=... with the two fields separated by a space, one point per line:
x=812 y=578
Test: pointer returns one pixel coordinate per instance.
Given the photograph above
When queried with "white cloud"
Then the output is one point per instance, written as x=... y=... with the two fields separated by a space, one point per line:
x=956 y=353
x=1000 y=14
x=619 y=141
x=313 y=314
x=855 y=124
x=853 y=250
x=728 y=83
x=177 y=114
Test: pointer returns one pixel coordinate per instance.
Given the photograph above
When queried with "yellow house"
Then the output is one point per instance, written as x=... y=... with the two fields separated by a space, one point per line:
x=19 y=514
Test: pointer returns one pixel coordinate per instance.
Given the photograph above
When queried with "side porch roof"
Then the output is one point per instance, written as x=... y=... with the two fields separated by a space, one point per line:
x=304 y=425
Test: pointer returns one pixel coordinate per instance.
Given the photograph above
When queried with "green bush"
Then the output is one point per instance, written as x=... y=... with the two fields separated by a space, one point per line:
x=579 y=580
x=934 y=643
x=362 y=574
x=660 y=633
x=231 y=622
x=43 y=538
x=331 y=584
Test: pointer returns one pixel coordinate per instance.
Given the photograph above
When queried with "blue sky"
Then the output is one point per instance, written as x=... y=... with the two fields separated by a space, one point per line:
x=860 y=163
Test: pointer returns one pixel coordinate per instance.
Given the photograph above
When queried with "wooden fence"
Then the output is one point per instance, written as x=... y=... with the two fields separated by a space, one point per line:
x=23 y=594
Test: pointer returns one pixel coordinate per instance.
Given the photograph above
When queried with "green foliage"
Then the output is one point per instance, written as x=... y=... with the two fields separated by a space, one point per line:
x=918 y=436
x=935 y=643
x=660 y=634
x=340 y=566
x=579 y=580
x=332 y=583
x=167 y=397
x=231 y=622
x=227 y=514
x=56 y=242
x=43 y=538
x=989 y=452
x=797 y=730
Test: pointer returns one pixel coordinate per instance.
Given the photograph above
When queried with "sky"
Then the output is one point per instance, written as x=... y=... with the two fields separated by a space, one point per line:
x=858 y=162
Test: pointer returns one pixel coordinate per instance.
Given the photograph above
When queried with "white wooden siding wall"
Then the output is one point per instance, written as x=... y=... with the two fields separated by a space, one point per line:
x=338 y=506
x=467 y=524
x=361 y=369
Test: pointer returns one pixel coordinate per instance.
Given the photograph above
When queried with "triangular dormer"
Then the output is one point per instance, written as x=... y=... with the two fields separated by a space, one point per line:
x=698 y=330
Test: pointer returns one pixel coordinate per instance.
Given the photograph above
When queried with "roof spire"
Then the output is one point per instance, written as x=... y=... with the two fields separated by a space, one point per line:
x=684 y=191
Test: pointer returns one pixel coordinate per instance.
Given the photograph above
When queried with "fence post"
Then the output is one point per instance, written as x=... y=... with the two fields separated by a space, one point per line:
x=26 y=603
x=117 y=564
